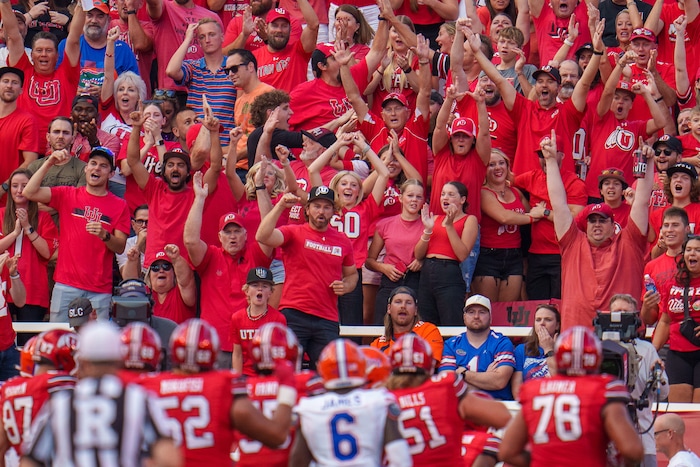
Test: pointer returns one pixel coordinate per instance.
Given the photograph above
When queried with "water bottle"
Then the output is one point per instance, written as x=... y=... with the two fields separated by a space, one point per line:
x=649 y=284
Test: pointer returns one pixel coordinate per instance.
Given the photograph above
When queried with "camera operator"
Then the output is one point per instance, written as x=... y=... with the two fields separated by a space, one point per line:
x=132 y=302
x=648 y=371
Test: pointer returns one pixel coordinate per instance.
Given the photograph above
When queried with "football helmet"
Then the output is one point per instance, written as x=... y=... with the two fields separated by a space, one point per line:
x=377 y=366
x=275 y=341
x=141 y=347
x=56 y=347
x=342 y=365
x=578 y=351
x=26 y=361
x=412 y=354
x=194 y=346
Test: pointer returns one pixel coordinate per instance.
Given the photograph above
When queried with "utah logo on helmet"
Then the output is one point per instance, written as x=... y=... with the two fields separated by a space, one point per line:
x=412 y=354
x=342 y=365
x=141 y=347
x=56 y=347
x=578 y=351
x=273 y=342
x=194 y=346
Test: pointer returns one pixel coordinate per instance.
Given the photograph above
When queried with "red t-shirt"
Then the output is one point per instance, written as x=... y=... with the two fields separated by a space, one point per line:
x=612 y=144
x=355 y=223
x=468 y=169
x=413 y=140
x=672 y=304
x=169 y=32
x=439 y=242
x=656 y=219
x=400 y=237
x=243 y=329
x=691 y=145
x=301 y=172
x=590 y=276
x=534 y=123
x=48 y=96
x=317 y=259
x=7 y=332
x=395 y=87
x=424 y=15
x=551 y=31
x=172 y=307
x=144 y=59
x=168 y=213
x=501 y=125
x=475 y=443
x=223 y=277
x=662 y=270
x=563 y=418
x=497 y=235
x=18 y=132
x=544 y=240
x=640 y=109
x=432 y=410
x=31 y=266
x=84 y=261
x=199 y=408
x=218 y=203
x=285 y=69
x=391 y=204
x=254 y=42
x=667 y=38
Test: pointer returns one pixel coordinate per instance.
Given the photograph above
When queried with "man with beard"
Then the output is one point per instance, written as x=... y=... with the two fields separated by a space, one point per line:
x=222 y=268
x=551 y=21
x=242 y=31
x=570 y=75
x=71 y=171
x=93 y=47
x=18 y=137
x=92 y=220
x=88 y=134
x=170 y=197
x=482 y=356
x=643 y=50
x=323 y=264
x=283 y=63
x=170 y=20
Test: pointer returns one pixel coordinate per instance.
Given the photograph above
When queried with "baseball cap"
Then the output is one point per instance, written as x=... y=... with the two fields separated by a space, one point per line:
x=259 y=275
x=132 y=288
x=643 y=33
x=102 y=151
x=322 y=192
x=230 y=218
x=436 y=97
x=181 y=155
x=102 y=5
x=585 y=47
x=326 y=48
x=79 y=310
x=625 y=86
x=612 y=172
x=11 y=69
x=322 y=136
x=85 y=98
x=403 y=289
x=100 y=341
x=278 y=13
x=479 y=300
x=600 y=209
x=463 y=125
x=685 y=168
x=671 y=142
x=549 y=71
x=395 y=96
x=158 y=256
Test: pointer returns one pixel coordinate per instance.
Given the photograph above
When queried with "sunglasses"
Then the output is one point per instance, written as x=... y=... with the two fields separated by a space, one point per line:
x=617 y=173
x=164 y=93
x=668 y=152
x=162 y=266
x=234 y=68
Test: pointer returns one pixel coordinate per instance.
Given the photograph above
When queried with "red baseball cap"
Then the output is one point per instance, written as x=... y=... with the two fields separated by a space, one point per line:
x=463 y=125
x=395 y=96
x=326 y=48
x=230 y=218
x=599 y=209
x=278 y=13
x=643 y=33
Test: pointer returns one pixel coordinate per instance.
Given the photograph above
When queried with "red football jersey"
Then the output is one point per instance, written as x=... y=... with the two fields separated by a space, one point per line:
x=21 y=399
x=199 y=408
x=476 y=443
x=430 y=420
x=563 y=417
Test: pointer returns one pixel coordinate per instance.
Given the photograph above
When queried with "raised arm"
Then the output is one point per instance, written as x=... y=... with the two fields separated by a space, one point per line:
x=211 y=124
x=13 y=38
x=18 y=292
x=344 y=57
x=184 y=275
x=483 y=135
x=441 y=136
x=72 y=49
x=140 y=40
x=506 y=89
x=154 y=9
x=459 y=77
x=107 y=89
x=321 y=161
x=310 y=33
x=424 y=77
x=33 y=191
x=584 y=84
x=234 y=181
x=133 y=150
x=639 y=214
x=555 y=186
x=196 y=247
x=174 y=68
x=267 y=234
x=679 y=56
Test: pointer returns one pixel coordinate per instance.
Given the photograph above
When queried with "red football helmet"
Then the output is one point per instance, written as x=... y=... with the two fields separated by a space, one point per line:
x=56 y=347
x=412 y=354
x=141 y=347
x=26 y=357
x=378 y=367
x=342 y=365
x=578 y=352
x=275 y=341
x=194 y=346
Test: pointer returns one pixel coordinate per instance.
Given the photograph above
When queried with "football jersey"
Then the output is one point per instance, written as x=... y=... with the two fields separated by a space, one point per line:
x=22 y=397
x=563 y=418
x=476 y=443
x=430 y=420
x=199 y=407
x=346 y=429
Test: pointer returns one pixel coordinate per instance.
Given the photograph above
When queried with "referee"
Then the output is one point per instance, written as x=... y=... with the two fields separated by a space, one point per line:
x=102 y=422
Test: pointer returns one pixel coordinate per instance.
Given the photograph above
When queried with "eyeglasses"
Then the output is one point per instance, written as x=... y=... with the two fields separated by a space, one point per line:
x=666 y=151
x=169 y=93
x=234 y=68
x=162 y=266
x=661 y=431
x=141 y=222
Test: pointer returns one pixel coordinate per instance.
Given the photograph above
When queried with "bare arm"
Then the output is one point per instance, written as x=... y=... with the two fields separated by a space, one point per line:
x=300 y=454
x=514 y=442
x=343 y=57
x=140 y=41
x=132 y=267
x=483 y=135
x=196 y=247
x=17 y=290
x=506 y=89
x=424 y=78
x=555 y=186
x=619 y=428
x=249 y=420
x=237 y=358
x=679 y=56
x=310 y=32
x=13 y=39
x=515 y=382
x=639 y=214
x=133 y=151
x=584 y=84
x=33 y=190
x=483 y=412
x=174 y=68
x=154 y=9
x=72 y=48
x=184 y=275
x=107 y=89
x=267 y=234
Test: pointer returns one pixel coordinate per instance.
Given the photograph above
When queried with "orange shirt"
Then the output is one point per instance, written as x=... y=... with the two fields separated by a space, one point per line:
x=427 y=331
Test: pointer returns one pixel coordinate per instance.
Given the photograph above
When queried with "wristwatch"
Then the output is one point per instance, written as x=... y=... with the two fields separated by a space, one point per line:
x=131 y=12
x=5 y=187
x=107 y=237
x=547 y=212
x=160 y=142
x=549 y=354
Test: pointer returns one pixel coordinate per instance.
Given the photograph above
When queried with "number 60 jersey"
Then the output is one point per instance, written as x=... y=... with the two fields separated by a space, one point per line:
x=563 y=417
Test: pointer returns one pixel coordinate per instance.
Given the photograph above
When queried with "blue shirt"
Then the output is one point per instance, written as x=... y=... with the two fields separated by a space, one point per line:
x=458 y=352
x=532 y=367
x=92 y=61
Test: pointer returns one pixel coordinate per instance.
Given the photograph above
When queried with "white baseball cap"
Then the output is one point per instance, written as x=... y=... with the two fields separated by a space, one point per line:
x=100 y=341
x=478 y=300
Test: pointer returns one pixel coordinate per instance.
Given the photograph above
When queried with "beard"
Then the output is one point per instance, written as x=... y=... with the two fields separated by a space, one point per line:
x=278 y=43
x=567 y=89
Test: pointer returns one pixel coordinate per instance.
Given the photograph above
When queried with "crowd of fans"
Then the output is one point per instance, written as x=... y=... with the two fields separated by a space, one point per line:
x=321 y=164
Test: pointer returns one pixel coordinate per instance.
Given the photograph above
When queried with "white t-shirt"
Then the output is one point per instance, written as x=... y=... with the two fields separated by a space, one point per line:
x=684 y=459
